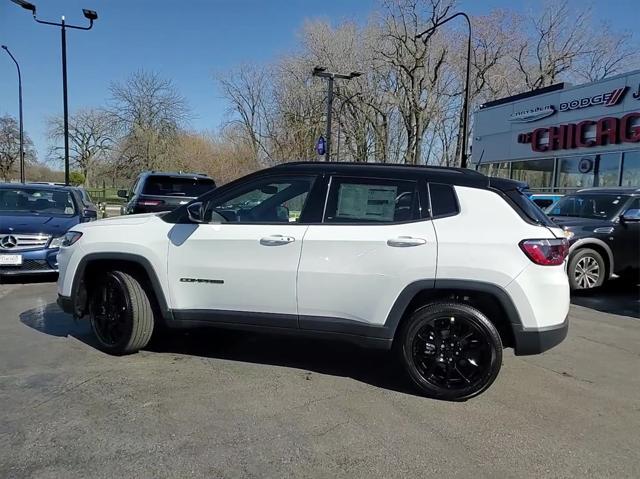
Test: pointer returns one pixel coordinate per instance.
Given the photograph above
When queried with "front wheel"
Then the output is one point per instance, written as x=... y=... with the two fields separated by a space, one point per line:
x=586 y=269
x=120 y=313
x=450 y=351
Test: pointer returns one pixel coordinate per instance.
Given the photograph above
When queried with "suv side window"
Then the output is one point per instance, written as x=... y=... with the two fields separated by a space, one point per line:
x=444 y=201
x=371 y=201
x=266 y=200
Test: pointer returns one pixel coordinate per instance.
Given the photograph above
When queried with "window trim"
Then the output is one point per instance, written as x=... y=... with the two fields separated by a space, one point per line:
x=418 y=189
x=315 y=180
x=455 y=196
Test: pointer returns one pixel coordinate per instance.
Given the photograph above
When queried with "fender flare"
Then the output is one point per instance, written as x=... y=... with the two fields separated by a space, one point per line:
x=410 y=291
x=131 y=258
x=585 y=242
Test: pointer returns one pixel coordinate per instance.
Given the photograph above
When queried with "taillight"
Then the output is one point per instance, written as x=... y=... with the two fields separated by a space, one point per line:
x=150 y=202
x=547 y=252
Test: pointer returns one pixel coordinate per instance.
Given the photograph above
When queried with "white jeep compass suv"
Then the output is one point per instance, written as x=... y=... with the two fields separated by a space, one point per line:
x=446 y=266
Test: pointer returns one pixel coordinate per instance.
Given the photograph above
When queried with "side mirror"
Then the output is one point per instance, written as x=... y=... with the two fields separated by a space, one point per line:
x=123 y=194
x=90 y=215
x=632 y=215
x=195 y=212
x=283 y=213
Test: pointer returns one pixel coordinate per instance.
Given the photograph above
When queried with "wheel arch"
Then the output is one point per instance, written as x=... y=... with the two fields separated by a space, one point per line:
x=601 y=247
x=133 y=263
x=489 y=298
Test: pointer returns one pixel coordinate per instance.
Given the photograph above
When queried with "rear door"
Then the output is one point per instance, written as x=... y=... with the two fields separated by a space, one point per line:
x=626 y=252
x=375 y=238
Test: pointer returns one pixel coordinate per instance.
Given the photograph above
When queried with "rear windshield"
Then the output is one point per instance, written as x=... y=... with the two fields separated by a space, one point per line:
x=177 y=186
x=528 y=207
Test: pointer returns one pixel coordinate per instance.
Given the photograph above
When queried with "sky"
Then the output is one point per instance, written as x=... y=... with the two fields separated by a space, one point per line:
x=186 y=41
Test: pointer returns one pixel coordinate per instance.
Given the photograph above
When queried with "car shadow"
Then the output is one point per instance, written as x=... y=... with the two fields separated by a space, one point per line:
x=377 y=368
x=614 y=297
x=50 y=319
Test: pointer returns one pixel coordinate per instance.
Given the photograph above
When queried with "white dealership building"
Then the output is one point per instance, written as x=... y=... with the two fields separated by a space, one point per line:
x=563 y=137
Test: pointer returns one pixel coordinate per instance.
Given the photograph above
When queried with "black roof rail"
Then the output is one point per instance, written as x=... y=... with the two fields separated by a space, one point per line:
x=375 y=165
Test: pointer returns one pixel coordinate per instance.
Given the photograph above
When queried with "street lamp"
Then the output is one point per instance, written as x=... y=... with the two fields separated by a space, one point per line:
x=89 y=15
x=5 y=48
x=465 y=104
x=331 y=76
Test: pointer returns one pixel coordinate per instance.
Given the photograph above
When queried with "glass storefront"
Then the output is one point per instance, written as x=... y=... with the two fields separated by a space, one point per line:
x=500 y=170
x=575 y=172
x=537 y=173
x=571 y=172
x=631 y=169
x=607 y=170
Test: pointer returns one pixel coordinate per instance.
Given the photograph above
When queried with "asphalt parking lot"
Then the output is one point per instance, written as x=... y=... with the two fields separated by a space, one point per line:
x=222 y=404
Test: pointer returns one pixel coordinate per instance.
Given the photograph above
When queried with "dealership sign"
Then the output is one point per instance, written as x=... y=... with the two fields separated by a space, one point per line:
x=532 y=114
x=608 y=131
x=607 y=99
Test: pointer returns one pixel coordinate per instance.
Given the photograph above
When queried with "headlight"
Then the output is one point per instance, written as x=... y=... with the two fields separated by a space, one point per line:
x=67 y=240
x=568 y=234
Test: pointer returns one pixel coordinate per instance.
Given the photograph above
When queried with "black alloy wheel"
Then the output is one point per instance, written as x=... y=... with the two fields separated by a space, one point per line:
x=451 y=351
x=120 y=313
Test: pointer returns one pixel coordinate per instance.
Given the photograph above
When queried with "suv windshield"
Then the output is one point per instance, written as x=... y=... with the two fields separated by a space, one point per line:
x=595 y=206
x=177 y=186
x=36 y=201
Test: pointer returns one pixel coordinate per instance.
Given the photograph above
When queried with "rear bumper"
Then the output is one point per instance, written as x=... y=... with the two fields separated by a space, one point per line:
x=535 y=341
x=65 y=303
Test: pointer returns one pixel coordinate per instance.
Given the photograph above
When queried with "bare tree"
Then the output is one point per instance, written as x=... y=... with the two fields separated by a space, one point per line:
x=560 y=36
x=90 y=138
x=147 y=112
x=10 y=147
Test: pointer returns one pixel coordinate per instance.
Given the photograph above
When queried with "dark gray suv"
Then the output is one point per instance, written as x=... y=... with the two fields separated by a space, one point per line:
x=603 y=228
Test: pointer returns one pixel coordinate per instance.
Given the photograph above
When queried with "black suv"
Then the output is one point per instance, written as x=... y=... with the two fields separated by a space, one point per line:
x=603 y=228
x=157 y=191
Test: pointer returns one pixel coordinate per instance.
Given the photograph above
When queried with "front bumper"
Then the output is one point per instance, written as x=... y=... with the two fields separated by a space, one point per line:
x=41 y=261
x=534 y=341
x=65 y=303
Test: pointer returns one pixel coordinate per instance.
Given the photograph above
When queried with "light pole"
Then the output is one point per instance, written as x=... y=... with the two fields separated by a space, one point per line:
x=331 y=76
x=91 y=16
x=347 y=100
x=5 y=48
x=465 y=104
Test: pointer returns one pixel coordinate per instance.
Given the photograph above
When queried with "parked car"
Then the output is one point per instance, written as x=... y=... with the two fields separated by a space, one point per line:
x=153 y=192
x=603 y=228
x=86 y=200
x=545 y=200
x=466 y=266
x=33 y=221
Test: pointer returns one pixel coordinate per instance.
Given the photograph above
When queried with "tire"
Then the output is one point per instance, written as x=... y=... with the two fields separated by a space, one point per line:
x=587 y=269
x=452 y=373
x=120 y=313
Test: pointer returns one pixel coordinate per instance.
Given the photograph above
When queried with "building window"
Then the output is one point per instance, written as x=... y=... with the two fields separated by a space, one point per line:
x=537 y=173
x=500 y=170
x=575 y=172
x=631 y=169
x=607 y=170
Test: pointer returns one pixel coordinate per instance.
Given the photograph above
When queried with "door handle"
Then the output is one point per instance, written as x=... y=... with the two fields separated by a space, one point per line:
x=276 y=240
x=406 y=241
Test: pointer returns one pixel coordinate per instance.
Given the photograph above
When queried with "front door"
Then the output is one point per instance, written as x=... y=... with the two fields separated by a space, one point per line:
x=245 y=258
x=372 y=243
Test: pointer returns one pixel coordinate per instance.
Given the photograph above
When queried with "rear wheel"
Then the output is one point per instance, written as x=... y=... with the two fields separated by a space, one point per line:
x=450 y=351
x=120 y=313
x=586 y=269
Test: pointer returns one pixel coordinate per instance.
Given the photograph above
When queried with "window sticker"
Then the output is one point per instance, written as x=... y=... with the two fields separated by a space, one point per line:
x=372 y=202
